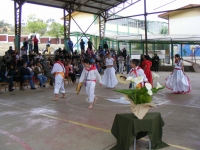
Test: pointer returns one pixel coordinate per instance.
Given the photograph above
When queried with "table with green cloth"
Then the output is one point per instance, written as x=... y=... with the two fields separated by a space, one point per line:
x=127 y=127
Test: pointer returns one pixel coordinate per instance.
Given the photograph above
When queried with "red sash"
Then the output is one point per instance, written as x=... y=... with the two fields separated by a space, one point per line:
x=135 y=72
x=93 y=67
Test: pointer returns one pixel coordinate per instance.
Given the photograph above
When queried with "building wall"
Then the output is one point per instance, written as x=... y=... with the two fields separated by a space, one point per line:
x=83 y=20
x=185 y=22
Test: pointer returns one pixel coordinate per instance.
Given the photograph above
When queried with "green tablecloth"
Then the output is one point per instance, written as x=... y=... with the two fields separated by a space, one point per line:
x=126 y=127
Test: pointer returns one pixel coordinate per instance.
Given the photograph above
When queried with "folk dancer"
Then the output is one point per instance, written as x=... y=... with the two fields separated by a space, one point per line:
x=177 y=81
x=89 y=76
x=109 y=79
x=146 y=65
x=136 y=71
x=59 y=72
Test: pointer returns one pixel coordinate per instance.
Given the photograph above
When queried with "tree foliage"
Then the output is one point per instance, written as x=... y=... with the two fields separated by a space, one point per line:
x=5 y=27
x=36 y=25
x=56 y=29
x=164 y=30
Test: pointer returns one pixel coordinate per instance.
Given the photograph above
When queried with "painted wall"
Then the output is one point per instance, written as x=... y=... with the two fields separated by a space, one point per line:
x=185 y=22
x=188 y=50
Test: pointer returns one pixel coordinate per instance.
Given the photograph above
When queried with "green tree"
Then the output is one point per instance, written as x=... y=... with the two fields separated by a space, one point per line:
x=5 y=27
x=56 y=29
x=164 y=30
x=36 y=25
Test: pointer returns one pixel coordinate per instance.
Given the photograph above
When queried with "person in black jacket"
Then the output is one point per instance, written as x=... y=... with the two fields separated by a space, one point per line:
x=156 y=62
x=105 y=46
x=26 y=74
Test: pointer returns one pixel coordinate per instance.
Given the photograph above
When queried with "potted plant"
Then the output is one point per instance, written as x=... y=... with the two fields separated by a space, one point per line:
x=140 y=96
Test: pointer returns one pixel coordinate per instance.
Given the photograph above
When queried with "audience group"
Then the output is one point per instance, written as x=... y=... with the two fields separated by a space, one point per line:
x=36 y=68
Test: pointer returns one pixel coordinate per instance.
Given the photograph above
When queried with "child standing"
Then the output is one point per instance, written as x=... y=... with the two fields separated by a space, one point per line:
x=136 y=71
x=89 y=76
x=59 y=72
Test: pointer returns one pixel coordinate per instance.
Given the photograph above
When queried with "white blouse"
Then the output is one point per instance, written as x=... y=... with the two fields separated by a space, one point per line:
x=178 y=65
x=109 y=62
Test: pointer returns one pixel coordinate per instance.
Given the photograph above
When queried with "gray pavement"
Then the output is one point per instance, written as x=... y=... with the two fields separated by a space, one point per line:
x=30 y=120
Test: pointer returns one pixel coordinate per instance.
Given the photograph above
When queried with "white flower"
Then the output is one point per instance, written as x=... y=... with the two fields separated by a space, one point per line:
x=130 y=79
x=138 y=80
x=148 y=86
x=135 y=80
x=155 y=75
x=150 y=92
x=158 y=86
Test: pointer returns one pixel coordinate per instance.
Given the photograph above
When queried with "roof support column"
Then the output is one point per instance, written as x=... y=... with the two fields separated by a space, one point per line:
x=145 y=23
x=67 y=24
x=17 y=14
x=102 y=25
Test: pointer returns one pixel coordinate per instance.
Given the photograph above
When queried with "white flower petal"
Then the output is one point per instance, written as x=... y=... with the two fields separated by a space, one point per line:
x=158 y=86
x=155 y=75
x=150 y=92
x=130 y=78
x=138 y=80
x=148 y=86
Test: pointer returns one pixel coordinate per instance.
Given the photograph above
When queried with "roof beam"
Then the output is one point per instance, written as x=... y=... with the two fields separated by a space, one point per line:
x=80 y=4
x=102 y=2
x=165 y=11
x=124 y=7
x=42 y=4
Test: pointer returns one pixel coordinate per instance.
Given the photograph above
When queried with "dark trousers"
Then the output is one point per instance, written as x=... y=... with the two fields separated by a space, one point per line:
x=10 y=81
x=19 y=79
x=156 y=67
x=36 y=48
x=72 y=76
x=30 y=47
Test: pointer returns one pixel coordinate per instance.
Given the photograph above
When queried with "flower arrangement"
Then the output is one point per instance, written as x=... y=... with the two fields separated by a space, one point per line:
x=139 y=94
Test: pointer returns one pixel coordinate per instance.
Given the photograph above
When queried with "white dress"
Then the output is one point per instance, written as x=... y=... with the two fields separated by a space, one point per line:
x=178 y=82
x=109 y=79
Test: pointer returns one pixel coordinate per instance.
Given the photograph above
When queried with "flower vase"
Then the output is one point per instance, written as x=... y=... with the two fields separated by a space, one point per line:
x=140 y=110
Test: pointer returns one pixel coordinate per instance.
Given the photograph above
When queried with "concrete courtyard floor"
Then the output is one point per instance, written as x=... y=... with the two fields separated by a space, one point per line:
x=30 y=120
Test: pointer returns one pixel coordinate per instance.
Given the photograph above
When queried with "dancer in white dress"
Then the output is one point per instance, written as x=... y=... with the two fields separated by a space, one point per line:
x=177 y=81
x=109 y=79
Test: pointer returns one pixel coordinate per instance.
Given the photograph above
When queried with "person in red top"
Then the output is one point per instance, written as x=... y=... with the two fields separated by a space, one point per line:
x=146 y=65
x=69 y=72
x=35 y=41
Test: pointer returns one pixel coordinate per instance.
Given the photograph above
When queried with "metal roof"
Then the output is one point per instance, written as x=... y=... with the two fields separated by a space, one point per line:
x=166 y=15
x=88 y=6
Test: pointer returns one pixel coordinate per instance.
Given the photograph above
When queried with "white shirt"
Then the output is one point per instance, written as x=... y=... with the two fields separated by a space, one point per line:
x=109 y=62
x=90 y=75
x=57 y=68
x=139 y=72
x=30 y=69
x=17 y=57
x=39 y=56
x=121 y=59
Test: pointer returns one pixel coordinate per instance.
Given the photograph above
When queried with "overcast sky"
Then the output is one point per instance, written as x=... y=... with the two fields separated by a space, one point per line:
x=7 y=9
